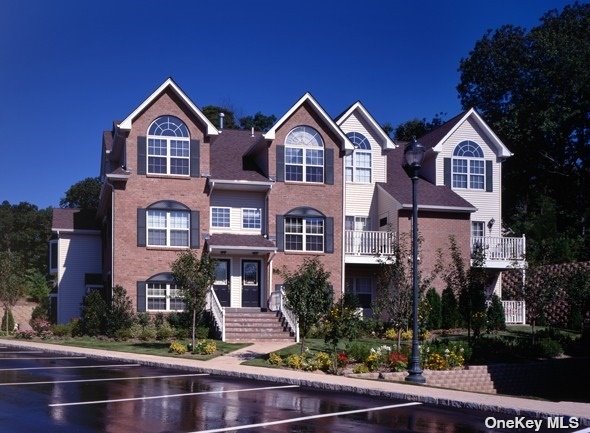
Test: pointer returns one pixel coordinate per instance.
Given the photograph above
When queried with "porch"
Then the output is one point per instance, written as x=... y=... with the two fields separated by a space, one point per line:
x=500 y=252
x=365 y=246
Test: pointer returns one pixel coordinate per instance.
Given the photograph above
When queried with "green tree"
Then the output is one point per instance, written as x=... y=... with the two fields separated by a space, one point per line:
x=84 y=194
x=538 y=291
x=36 y=285
x=93 y=314
x=309 y=294
x=449 y=309
x=578 y=293
x=212 y=113
x=433 y=320
x=417 y=127
x=12 y=285
x=194 y=276
x=259 y=122
x=533 y=88
x=25 y=230
x=495 y=318
x=342 y=321
x=119 y=313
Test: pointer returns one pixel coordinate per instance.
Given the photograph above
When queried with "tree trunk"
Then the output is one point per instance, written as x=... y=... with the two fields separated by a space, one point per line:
x=194 y=326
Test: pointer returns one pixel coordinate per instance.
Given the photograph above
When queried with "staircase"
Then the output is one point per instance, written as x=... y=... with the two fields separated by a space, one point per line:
x=254 y=324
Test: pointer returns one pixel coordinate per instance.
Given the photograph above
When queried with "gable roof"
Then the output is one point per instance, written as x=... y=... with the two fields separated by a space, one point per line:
x=230 y=159
x=169 y=83
x=385 y=141
x=270 y=135
x=430 y=196
x=435 y=138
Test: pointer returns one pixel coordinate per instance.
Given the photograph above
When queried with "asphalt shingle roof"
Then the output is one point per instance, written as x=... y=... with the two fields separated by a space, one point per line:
x=230 y=159
x=228 y=240
x=74 y=219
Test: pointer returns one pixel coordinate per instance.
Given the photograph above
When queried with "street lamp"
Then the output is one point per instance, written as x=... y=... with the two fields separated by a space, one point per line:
x=414 y=154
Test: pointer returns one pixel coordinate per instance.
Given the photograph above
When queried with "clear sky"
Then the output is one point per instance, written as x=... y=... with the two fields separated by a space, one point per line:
x=69 y=68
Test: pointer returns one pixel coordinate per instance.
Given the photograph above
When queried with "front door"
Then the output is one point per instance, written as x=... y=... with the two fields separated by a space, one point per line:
x=221 y=284
x=251 y=283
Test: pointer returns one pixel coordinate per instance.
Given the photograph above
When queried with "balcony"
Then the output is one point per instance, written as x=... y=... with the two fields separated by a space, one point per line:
x=501 y=252
x=367 y=246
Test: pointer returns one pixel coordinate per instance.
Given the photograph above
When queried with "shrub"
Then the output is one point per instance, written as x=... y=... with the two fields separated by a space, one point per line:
x=123 y=334
x=495 y=319
x=391 y=334
x=178 y=348
x=159 y=320
x=372 y=361
x=93 y=314
x=435 y=361
x=358 y=351
x=548 y=348
x=360 y=369
x=37 y=287
x=7 y=321
x=120 y=312
x=201 y=332
x=148 y=333
x=181 y=333
x=294 y=361
x=41 y=327
x=143 y=319
x=41 y=310
x=321 y=361
x=64 y=330
x=275 y=359
x=342 y=359
x=25 y=335
x=449 y=309
x=205 y=347
x=397 y=361
x=433 y=319
x=164 y=332
x=135 y=330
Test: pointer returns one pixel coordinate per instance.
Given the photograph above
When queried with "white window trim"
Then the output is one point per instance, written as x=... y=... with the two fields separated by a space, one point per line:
x=168 y=139
x=259 y=219
x=305 y=147
x=211 y=217
x=167 y=296
x=51 y=243
x=483 y=226
x=167 y=228
x=304 y=234
x=351 y=163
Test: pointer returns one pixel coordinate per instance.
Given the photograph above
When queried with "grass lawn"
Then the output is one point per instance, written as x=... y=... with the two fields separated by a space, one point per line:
x=159 y=348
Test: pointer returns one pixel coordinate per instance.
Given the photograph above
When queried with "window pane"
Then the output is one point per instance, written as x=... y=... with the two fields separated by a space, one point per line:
x=179 y=148
x=476 y=167
x=476 y=182
x=179 y=238
x=314 y=174
x=459 y=166
x=294 y=173
x=349 y=174
x=177 y=304
x=459 y=181
x=363 y=175
x=156 y=147
x=179 y=220
x=293 y=156
x=220 y=217
x=156 y=237
x=294 y=242
x=221 y=272
x=293 y=225
x=314 y=243
x=179 y=166
x=156 y=165
x=363 y=159
x=251 y=218
x=314 y=225
x=156 y=219
x=314 y=157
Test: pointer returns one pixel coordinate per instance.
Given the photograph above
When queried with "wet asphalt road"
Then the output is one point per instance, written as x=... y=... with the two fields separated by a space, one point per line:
x=45 y=393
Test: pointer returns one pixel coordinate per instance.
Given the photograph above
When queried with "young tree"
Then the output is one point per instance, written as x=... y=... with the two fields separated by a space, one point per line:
x=433 y=320
x=495 y=318
x=578 y=293
x=12 y=286
x=119 y=313
x=36 y=284
x=309 y=294
x=84 y=194
x=194 y=276
x=93 y=314
x=342 y=321
x=539 y=289
x=449 y=309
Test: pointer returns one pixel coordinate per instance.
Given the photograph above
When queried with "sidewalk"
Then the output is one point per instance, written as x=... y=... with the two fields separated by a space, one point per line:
x=229 y=365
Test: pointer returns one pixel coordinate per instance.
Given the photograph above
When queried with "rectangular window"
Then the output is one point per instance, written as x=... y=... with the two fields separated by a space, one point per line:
x=168 y=228
x=304 y=165
x=294 y=164
x=362 y=288
x=459 y=173
x=476 y=171
x=53 y=255
x=362 y=167
x=164 y=297
x=251 y=219
x=477 y=229
x=168 y=156
x=304 y=234
x=220 y=217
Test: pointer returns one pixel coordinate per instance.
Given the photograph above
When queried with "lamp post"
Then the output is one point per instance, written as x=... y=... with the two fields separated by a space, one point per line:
x=414 y=154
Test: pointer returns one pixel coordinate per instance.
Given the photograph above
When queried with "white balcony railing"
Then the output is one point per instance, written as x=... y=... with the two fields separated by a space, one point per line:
x=217 y=311
x=514 y=312
x=368 y=243
x=496 y=248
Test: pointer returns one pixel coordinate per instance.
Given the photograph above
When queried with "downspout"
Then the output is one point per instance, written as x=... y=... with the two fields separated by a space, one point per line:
x=342 y=232
x=269 y=289
x=107 y=183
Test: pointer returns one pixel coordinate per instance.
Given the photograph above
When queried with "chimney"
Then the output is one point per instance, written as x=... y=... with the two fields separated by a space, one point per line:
x=221 y=116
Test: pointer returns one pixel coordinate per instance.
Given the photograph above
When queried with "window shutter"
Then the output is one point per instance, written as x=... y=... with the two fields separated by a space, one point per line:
x=141 y=297
x=280 y=163
x=141 y=227
x=489 y=176
x=447 y=172
x=195 y=229
x=280 y=233
x=141 y=155
x=195 y=158
x=329 y=163
x=329 y=236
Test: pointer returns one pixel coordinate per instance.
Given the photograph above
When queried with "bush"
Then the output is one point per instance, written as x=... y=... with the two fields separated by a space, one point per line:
x=360 y=369
x=164 y=332
x=120 y=312
x=143 y=319
x=449 y=309
x=64 y=330
x=93 y=314
x=275 y=359
x=294 y=361
x=358 y=351
x=321 y=361
x=433 y=319
x=397 y=361
x=7 y=321
x=495 y=319
x=205 y=347
x=41 y=327
x=178 y=348
x=41 y=310
x=159 y=320
x=123 y=334
x=25 y=335
x=148 y=333
x=37 y=287
x=548 y=348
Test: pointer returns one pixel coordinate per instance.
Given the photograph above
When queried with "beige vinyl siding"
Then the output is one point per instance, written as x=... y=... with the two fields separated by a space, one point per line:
x=488 y=204
x=388 y=207
x=359 y=199
x=236 y=201
x=78 y=254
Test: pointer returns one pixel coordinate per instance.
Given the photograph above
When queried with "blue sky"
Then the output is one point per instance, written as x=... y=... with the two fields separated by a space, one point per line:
x=69 y=68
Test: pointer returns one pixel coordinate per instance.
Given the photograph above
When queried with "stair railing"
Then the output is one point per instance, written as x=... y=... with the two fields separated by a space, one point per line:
x=288 y=315
x=217 y=311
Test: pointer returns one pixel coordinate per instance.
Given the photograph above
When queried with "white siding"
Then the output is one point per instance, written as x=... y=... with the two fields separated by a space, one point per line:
x=387 y=207
x=237 y=200
x=359 y=199
x=79 y=254
x=488 y=204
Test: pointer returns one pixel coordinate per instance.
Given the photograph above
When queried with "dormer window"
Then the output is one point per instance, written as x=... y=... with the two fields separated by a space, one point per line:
x=358 y=164
x=468 y=167
x=304 y=155
x=168 y=147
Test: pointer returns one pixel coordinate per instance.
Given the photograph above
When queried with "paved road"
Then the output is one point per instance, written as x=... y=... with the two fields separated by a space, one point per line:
x=44 y=392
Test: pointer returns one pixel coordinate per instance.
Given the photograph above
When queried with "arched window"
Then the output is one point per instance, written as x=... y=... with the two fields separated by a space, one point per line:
x=358 y=164
x=468 y=167
x=162 y=294
x=168 y=147
x=304 y=155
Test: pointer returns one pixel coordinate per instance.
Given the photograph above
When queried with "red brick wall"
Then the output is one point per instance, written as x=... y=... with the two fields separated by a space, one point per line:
x=435 y=228
x=133 y=263
x=325 y=198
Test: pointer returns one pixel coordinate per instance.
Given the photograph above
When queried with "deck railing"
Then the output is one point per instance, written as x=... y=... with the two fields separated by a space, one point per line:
x=288 y=315
x=217 y=311
x=500 y=248
x=514 y=312
x=368 y=243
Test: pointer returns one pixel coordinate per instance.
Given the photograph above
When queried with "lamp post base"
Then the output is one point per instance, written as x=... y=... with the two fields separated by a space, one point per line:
x=415 y=377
